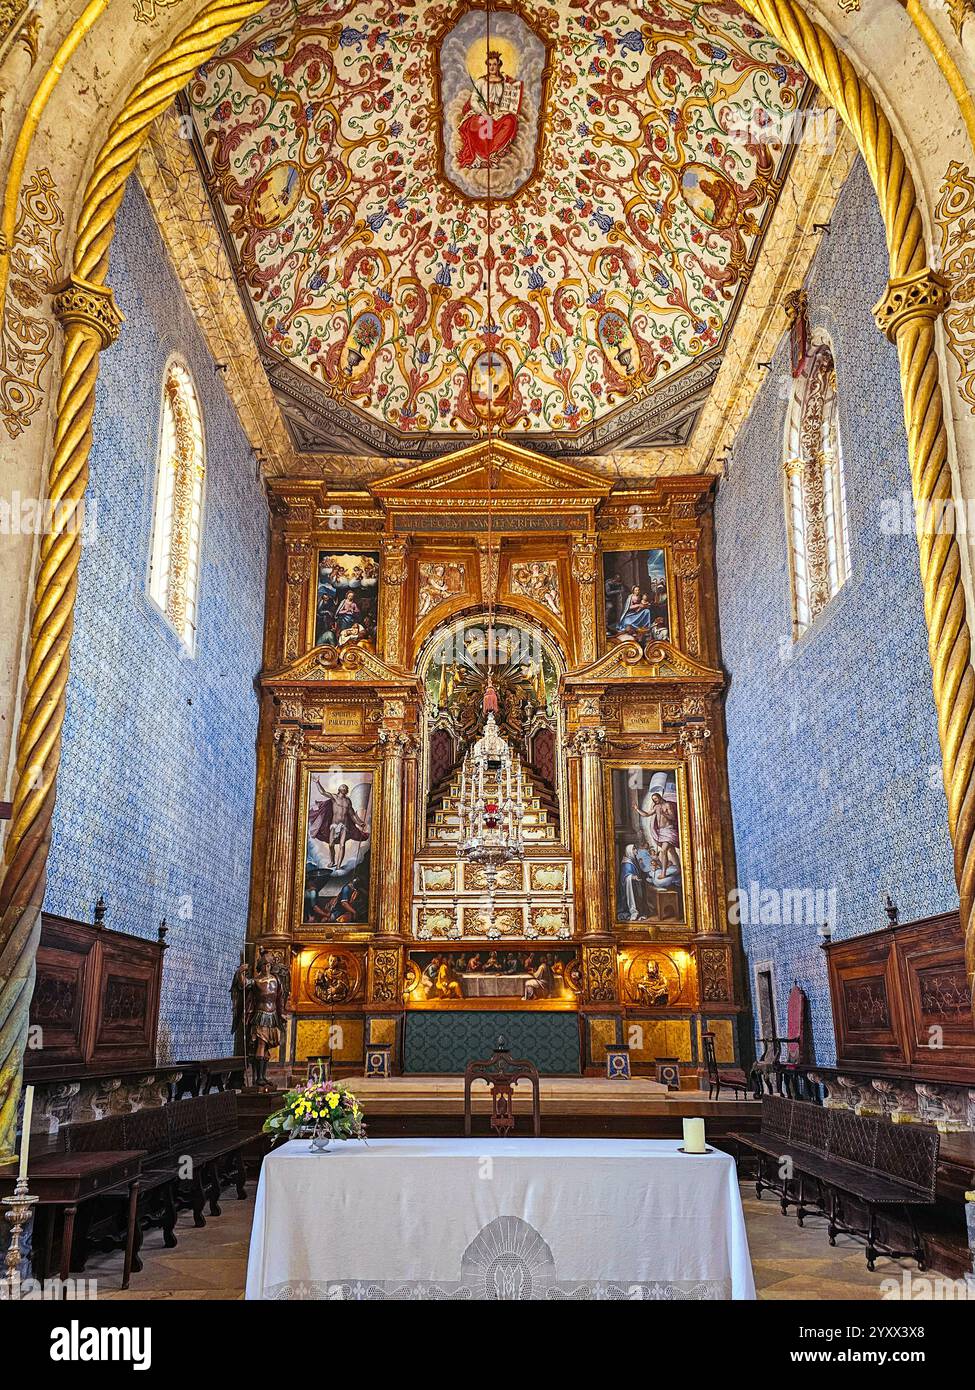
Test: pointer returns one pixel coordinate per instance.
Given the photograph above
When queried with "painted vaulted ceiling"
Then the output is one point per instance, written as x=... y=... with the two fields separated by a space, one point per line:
x=545 y=214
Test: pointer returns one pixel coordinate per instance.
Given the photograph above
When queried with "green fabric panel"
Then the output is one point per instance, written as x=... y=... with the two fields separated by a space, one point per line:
x=438 y=1041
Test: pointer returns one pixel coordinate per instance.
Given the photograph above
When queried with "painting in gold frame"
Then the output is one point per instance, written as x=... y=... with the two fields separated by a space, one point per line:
x=346 y=597
x=638 y=602
x=335 y=865
x=493 y=977
x=650 y=850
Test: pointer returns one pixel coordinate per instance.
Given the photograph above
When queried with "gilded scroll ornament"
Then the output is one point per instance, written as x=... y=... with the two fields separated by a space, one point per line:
x=599 y=974
x=715 y=975
x=28 y=335
x=954 y=217
x=584 y=555
x=958 y=12
x=394 y=553
x=298 y=564
x=147 y=11
x=385 y=988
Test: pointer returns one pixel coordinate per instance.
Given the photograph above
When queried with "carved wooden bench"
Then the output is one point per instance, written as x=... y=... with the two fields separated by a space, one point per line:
x=825 y=1159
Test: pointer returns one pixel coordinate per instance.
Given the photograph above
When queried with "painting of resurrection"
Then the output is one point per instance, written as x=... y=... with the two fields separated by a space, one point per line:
x=338 y=837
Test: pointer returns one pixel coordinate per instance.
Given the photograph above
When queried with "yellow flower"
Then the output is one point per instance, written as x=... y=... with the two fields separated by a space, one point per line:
x=333 y=1099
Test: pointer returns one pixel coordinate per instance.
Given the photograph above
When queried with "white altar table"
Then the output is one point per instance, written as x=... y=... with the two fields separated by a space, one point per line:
x=498 y=1219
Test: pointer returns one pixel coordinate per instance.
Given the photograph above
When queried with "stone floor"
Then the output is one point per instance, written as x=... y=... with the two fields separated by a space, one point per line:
x=789 y=1263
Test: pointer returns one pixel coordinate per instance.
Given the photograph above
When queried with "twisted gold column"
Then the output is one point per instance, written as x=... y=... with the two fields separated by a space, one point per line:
x=915 y=298
x=90 y=321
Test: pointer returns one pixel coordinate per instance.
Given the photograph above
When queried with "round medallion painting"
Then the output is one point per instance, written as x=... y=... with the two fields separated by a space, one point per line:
x=709 y=195
x=275 y=195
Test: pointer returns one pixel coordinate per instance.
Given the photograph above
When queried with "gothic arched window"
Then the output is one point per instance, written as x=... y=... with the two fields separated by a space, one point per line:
x=176 y=529
x=815 y=492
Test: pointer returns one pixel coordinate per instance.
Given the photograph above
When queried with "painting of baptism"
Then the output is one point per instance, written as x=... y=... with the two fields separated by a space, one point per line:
x=647 y=845
x=635 y=595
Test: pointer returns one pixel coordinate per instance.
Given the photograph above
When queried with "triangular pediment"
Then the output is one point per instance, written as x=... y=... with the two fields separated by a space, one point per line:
x=650 y=660
x=355 y=662
x=509 y=475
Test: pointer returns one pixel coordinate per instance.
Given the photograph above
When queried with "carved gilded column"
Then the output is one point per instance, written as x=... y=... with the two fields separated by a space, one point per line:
x=298 y=562
x=288 y=744
x=586 y=743
x=688 y=571
x=694 y=741
x=395 y=746
x=394 y=550
x=584 y=554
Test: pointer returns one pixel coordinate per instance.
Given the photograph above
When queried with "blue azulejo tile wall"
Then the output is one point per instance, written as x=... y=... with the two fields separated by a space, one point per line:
x=156 y=788
x=834 y=762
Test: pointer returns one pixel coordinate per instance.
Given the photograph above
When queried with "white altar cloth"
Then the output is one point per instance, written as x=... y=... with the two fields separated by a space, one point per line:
x=517 y=1218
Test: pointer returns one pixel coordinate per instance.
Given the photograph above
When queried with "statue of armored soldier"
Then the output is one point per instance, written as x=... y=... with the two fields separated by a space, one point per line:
x=259 y=1002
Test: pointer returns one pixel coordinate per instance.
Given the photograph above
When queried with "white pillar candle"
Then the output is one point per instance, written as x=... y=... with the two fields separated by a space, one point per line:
x=694 y=1136
x=25 y=1132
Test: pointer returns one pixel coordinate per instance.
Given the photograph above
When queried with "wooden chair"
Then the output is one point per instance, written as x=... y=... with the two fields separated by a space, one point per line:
x=502 y=1073
x=734 y=1079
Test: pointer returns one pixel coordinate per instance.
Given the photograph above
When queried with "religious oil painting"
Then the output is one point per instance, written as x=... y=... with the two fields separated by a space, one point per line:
x=347 y=599
x=649 y=848
x=338 y=841
x=635 y=596
x=493 y=977
x=493 y=71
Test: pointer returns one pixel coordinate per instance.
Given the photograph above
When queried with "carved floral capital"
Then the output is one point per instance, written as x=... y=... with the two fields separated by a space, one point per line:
x=78 y=302
x=588 y=741
x=921 y=295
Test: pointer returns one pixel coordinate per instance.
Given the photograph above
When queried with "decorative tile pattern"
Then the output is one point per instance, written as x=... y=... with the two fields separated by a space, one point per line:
x=834 y=761
x=438 y=1041
x=156 y=789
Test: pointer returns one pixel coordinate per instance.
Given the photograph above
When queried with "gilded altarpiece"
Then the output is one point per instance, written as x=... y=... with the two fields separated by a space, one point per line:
x=590 y=614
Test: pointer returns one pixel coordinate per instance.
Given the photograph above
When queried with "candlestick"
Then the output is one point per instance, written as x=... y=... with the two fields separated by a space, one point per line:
x=694 y=1137
x=17 y=1209
x=25 y=1132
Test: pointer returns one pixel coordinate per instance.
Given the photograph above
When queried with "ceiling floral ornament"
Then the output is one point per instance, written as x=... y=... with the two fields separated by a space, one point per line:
x=635 y=153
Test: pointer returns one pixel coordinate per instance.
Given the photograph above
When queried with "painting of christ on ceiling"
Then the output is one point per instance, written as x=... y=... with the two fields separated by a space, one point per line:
x=635 y=595
x=347 y=598
x=492 y=85
x=338 y=838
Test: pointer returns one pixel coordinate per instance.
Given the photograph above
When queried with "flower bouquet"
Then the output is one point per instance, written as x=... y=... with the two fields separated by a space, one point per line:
x=319 y=1110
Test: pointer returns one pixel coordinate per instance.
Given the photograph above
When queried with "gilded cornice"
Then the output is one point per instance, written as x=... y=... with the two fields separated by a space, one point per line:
x=172 y=184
